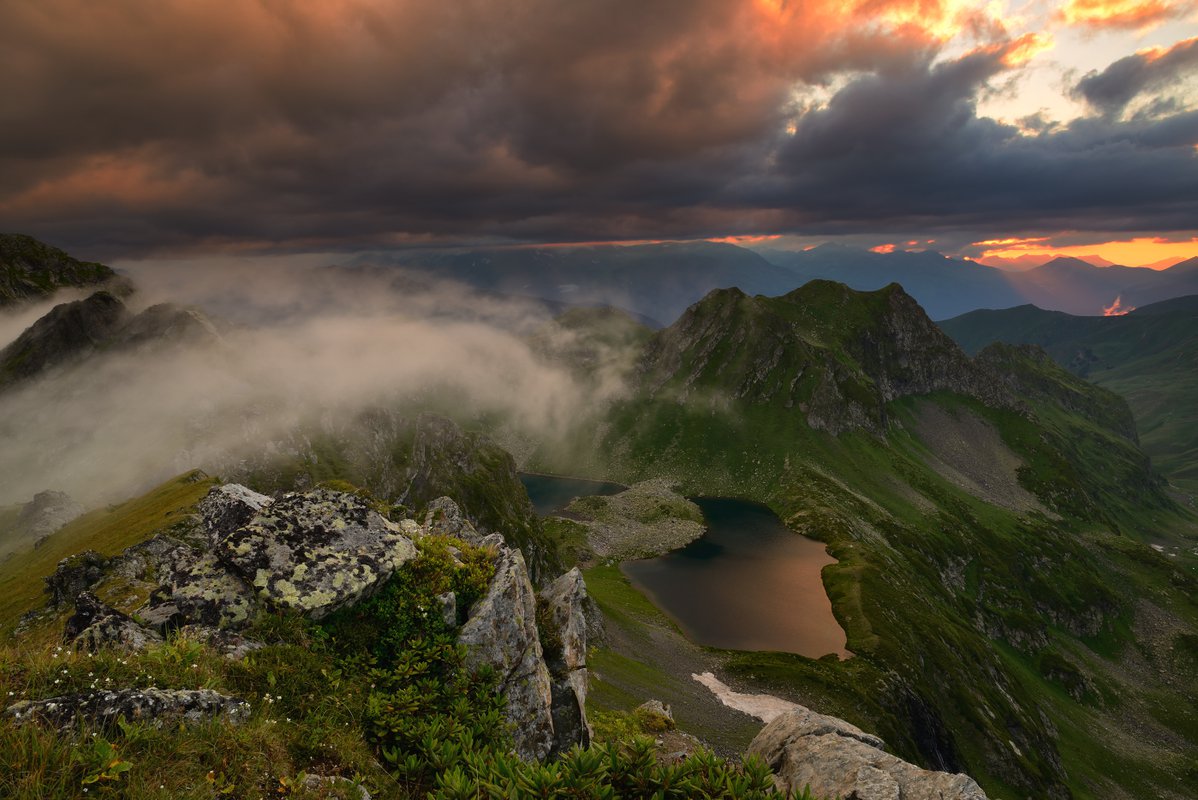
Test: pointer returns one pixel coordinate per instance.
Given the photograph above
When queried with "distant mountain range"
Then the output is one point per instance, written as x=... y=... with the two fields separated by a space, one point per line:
x=654 y=281
x=1150 y=356
x=659 y=281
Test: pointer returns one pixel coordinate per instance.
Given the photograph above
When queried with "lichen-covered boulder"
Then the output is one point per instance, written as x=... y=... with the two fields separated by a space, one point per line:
x=226 y=508
x=73 y=575
x=318 y=551
x=563 y=602
x=501 y=632
x=159 y=707
x=836 y=759
x=95 y=626
x=199 y=589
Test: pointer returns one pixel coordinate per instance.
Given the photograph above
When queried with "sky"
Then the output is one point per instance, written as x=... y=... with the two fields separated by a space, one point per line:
x=1001 y=131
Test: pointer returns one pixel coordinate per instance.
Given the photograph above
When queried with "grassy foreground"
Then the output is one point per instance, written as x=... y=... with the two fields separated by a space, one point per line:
x=376 y=696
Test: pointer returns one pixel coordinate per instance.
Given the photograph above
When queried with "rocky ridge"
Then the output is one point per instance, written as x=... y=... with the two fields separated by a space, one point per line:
x=837 y=355
x=30 y=269
x=312 y=553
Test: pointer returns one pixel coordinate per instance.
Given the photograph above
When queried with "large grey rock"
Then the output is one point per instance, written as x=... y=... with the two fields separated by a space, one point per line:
x=836 y=759
x=157 y=706
x=564 y=601
x=95 y=626
x=199 y=589
x=444 y=516
x=226 y=508
x=501 y=632
x=315 y=552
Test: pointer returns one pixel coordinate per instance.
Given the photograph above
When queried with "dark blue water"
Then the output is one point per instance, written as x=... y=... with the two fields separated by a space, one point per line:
x=749 y=583
x=550 y=493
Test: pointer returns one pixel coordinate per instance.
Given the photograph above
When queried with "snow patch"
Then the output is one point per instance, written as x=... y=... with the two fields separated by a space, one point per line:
x=765 y=707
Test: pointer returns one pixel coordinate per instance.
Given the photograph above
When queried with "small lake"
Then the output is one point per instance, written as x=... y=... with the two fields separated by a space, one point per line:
x=749 y=583
x=551 y=493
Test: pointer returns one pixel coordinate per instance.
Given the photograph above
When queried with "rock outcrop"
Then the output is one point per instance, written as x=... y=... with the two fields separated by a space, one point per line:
x=836 y=759
x=157 y=706
x=228 y=507
x=501 y=632
x=45 y=513
x=563 y=603
x=95 y=626
x=30 y=269
x=73 y=575
x=411 y=462
x=443 y=516
x=315 y=552
x=647 y=519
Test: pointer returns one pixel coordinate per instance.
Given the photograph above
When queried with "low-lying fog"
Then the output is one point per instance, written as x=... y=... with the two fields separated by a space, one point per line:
x=299 y=344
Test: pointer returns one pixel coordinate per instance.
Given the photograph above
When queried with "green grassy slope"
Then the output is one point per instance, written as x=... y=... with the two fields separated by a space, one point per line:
x=107 y=531
x=1150 y=357
x=1021 y=648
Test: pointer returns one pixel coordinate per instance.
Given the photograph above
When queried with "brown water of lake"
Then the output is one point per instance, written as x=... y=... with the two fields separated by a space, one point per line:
x=749 y=583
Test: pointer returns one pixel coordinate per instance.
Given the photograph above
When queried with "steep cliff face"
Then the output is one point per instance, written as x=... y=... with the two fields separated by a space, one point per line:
x=836 y=355
x=30 y=269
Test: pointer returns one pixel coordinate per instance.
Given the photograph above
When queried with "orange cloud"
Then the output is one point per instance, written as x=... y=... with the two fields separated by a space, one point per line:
x=746 y=239
x=1155 y=252
x=128 y=180
x=883 y=248
x=1123 y=14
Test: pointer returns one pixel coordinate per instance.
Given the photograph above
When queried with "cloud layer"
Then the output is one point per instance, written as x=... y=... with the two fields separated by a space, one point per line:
x=325 y=348
x=130 y=127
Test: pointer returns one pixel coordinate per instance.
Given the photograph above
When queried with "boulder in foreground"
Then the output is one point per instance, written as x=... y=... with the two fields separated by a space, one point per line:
x=836 y=759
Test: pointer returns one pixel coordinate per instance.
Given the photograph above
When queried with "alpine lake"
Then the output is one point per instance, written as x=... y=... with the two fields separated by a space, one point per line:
x=749 y=583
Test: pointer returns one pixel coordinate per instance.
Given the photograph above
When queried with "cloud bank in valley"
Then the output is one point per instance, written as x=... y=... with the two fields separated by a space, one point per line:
x=326 y=346
x=351 y=124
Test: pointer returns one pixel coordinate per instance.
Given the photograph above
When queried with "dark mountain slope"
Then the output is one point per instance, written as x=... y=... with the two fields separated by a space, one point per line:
x=71 y=332
x=1149 y=356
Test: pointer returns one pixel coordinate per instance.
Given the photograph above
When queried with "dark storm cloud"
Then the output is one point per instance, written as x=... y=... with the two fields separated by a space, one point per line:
x=907 y=149
x=1112 y=89
x=130 y=126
